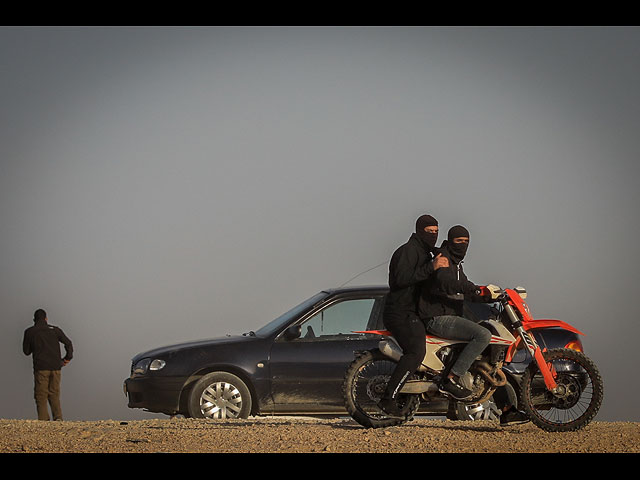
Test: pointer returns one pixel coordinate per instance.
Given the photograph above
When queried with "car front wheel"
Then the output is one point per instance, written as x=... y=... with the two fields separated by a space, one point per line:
x=219 y=395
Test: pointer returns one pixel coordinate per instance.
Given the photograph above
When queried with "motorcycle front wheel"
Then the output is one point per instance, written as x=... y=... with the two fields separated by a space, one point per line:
x=365 y=381
x=579 y=394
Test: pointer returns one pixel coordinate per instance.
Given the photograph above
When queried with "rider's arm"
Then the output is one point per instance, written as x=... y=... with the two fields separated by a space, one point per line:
x=406 y=270
x=481 y=295
x=451 y=281
x=473 y=292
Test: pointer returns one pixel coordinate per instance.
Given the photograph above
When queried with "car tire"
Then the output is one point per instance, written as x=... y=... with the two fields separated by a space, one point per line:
x=219 y=396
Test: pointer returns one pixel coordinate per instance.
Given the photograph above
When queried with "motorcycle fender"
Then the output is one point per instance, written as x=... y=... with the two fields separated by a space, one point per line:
x=545 y=323
x=542 y=323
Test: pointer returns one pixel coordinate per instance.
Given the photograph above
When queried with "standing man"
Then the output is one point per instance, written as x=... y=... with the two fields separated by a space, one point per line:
x=43 y=342
x=411 y=264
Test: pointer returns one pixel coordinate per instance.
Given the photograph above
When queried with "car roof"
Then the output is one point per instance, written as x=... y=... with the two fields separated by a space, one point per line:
x=358 y=289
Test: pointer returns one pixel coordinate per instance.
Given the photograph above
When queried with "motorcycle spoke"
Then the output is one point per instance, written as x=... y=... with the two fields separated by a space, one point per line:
x=370 y=384
x=365 y=384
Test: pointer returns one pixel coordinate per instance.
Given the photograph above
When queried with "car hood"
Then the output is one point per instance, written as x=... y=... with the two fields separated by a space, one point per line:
x=169 y=349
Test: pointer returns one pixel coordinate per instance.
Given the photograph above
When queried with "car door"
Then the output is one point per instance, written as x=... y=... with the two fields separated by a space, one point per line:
x=307 y=372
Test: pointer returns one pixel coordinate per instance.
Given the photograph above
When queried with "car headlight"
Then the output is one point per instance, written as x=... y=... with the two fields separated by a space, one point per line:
x=143 y=366
x=157 y=364
x=575 y=345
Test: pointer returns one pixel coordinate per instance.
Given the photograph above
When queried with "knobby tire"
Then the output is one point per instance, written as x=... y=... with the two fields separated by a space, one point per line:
x=362 y=408
x=538 y=403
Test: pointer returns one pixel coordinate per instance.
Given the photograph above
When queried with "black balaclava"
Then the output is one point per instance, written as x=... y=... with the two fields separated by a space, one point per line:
x=457 y=250
x=428 y=238
x=39 y=315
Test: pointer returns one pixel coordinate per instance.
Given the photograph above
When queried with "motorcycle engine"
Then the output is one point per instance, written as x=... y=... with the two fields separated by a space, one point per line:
x=469 y=381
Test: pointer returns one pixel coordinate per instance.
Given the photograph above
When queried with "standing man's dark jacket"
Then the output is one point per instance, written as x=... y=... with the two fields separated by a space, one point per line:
x=410 y=264
x=444 y=292
x=43 y=341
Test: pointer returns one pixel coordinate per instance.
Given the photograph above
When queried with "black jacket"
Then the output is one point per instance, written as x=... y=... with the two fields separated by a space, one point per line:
x=445 y=291
x=43 y=341
x=410 y=264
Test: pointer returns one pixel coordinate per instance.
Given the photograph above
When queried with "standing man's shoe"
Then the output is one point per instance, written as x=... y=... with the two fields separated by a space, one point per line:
x=513 y=417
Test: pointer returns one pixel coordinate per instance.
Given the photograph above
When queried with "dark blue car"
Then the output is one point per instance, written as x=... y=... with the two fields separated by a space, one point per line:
x=293 y=365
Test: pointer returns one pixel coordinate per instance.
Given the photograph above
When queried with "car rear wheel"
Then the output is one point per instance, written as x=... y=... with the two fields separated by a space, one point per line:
x=219 y=395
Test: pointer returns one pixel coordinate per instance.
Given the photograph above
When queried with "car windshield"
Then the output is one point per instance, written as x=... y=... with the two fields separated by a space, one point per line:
x=285 y=318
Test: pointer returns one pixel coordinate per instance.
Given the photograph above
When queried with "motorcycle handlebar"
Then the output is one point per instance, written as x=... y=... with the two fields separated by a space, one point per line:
x=495 y=292
x=499 y=293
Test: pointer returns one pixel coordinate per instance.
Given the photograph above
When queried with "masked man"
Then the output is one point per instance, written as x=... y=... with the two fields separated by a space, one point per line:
x=412 y=263
x=441 y=308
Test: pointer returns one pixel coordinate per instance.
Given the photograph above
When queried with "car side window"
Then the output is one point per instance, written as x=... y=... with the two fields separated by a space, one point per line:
x=341 y=319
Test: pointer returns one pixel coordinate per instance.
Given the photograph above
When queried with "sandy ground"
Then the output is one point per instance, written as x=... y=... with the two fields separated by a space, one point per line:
x=307 y=435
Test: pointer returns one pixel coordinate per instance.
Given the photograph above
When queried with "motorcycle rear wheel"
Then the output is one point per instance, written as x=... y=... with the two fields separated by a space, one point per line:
x=582 y=392
x=365 y=382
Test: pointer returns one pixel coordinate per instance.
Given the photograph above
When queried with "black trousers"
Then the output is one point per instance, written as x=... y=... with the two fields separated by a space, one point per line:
x=410 y=334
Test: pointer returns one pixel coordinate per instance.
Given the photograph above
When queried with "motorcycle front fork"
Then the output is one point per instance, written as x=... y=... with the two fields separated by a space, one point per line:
x=546 y=368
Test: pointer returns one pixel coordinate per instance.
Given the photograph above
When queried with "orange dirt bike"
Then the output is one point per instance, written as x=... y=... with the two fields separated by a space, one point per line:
x=561 y=389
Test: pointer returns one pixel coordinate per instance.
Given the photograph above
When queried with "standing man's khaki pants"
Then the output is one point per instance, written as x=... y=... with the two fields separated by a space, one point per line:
x=47 y=390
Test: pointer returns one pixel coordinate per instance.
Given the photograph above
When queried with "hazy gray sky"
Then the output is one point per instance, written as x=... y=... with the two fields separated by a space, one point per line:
x=159 y=185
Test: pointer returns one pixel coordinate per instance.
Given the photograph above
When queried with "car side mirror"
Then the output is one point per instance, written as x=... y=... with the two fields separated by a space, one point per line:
x=293 y=332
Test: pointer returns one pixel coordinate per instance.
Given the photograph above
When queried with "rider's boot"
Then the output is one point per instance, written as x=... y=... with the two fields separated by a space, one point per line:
x=389 y=406
x=388 y=402
x=452 y=387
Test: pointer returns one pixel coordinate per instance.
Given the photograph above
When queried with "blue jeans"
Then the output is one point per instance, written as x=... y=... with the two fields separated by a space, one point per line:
x=459 y=328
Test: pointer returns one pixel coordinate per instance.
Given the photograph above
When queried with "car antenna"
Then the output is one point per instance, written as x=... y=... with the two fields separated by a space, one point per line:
x=362 y=273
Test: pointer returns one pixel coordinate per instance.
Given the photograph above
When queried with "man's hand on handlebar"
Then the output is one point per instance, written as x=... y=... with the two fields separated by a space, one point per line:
x=490 y=291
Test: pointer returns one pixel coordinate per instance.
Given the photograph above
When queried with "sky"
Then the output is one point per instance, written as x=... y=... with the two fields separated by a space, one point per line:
x=166 y=184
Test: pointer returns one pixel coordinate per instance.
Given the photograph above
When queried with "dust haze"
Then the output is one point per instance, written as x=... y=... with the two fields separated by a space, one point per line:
x=159 y=185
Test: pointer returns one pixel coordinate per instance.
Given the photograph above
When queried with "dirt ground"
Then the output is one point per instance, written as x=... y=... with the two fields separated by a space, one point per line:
x=307 y=435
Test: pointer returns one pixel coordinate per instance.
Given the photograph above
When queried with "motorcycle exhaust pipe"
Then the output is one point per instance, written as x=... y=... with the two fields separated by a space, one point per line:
x=419 y=386
x=485 y=370
x=390 y=349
